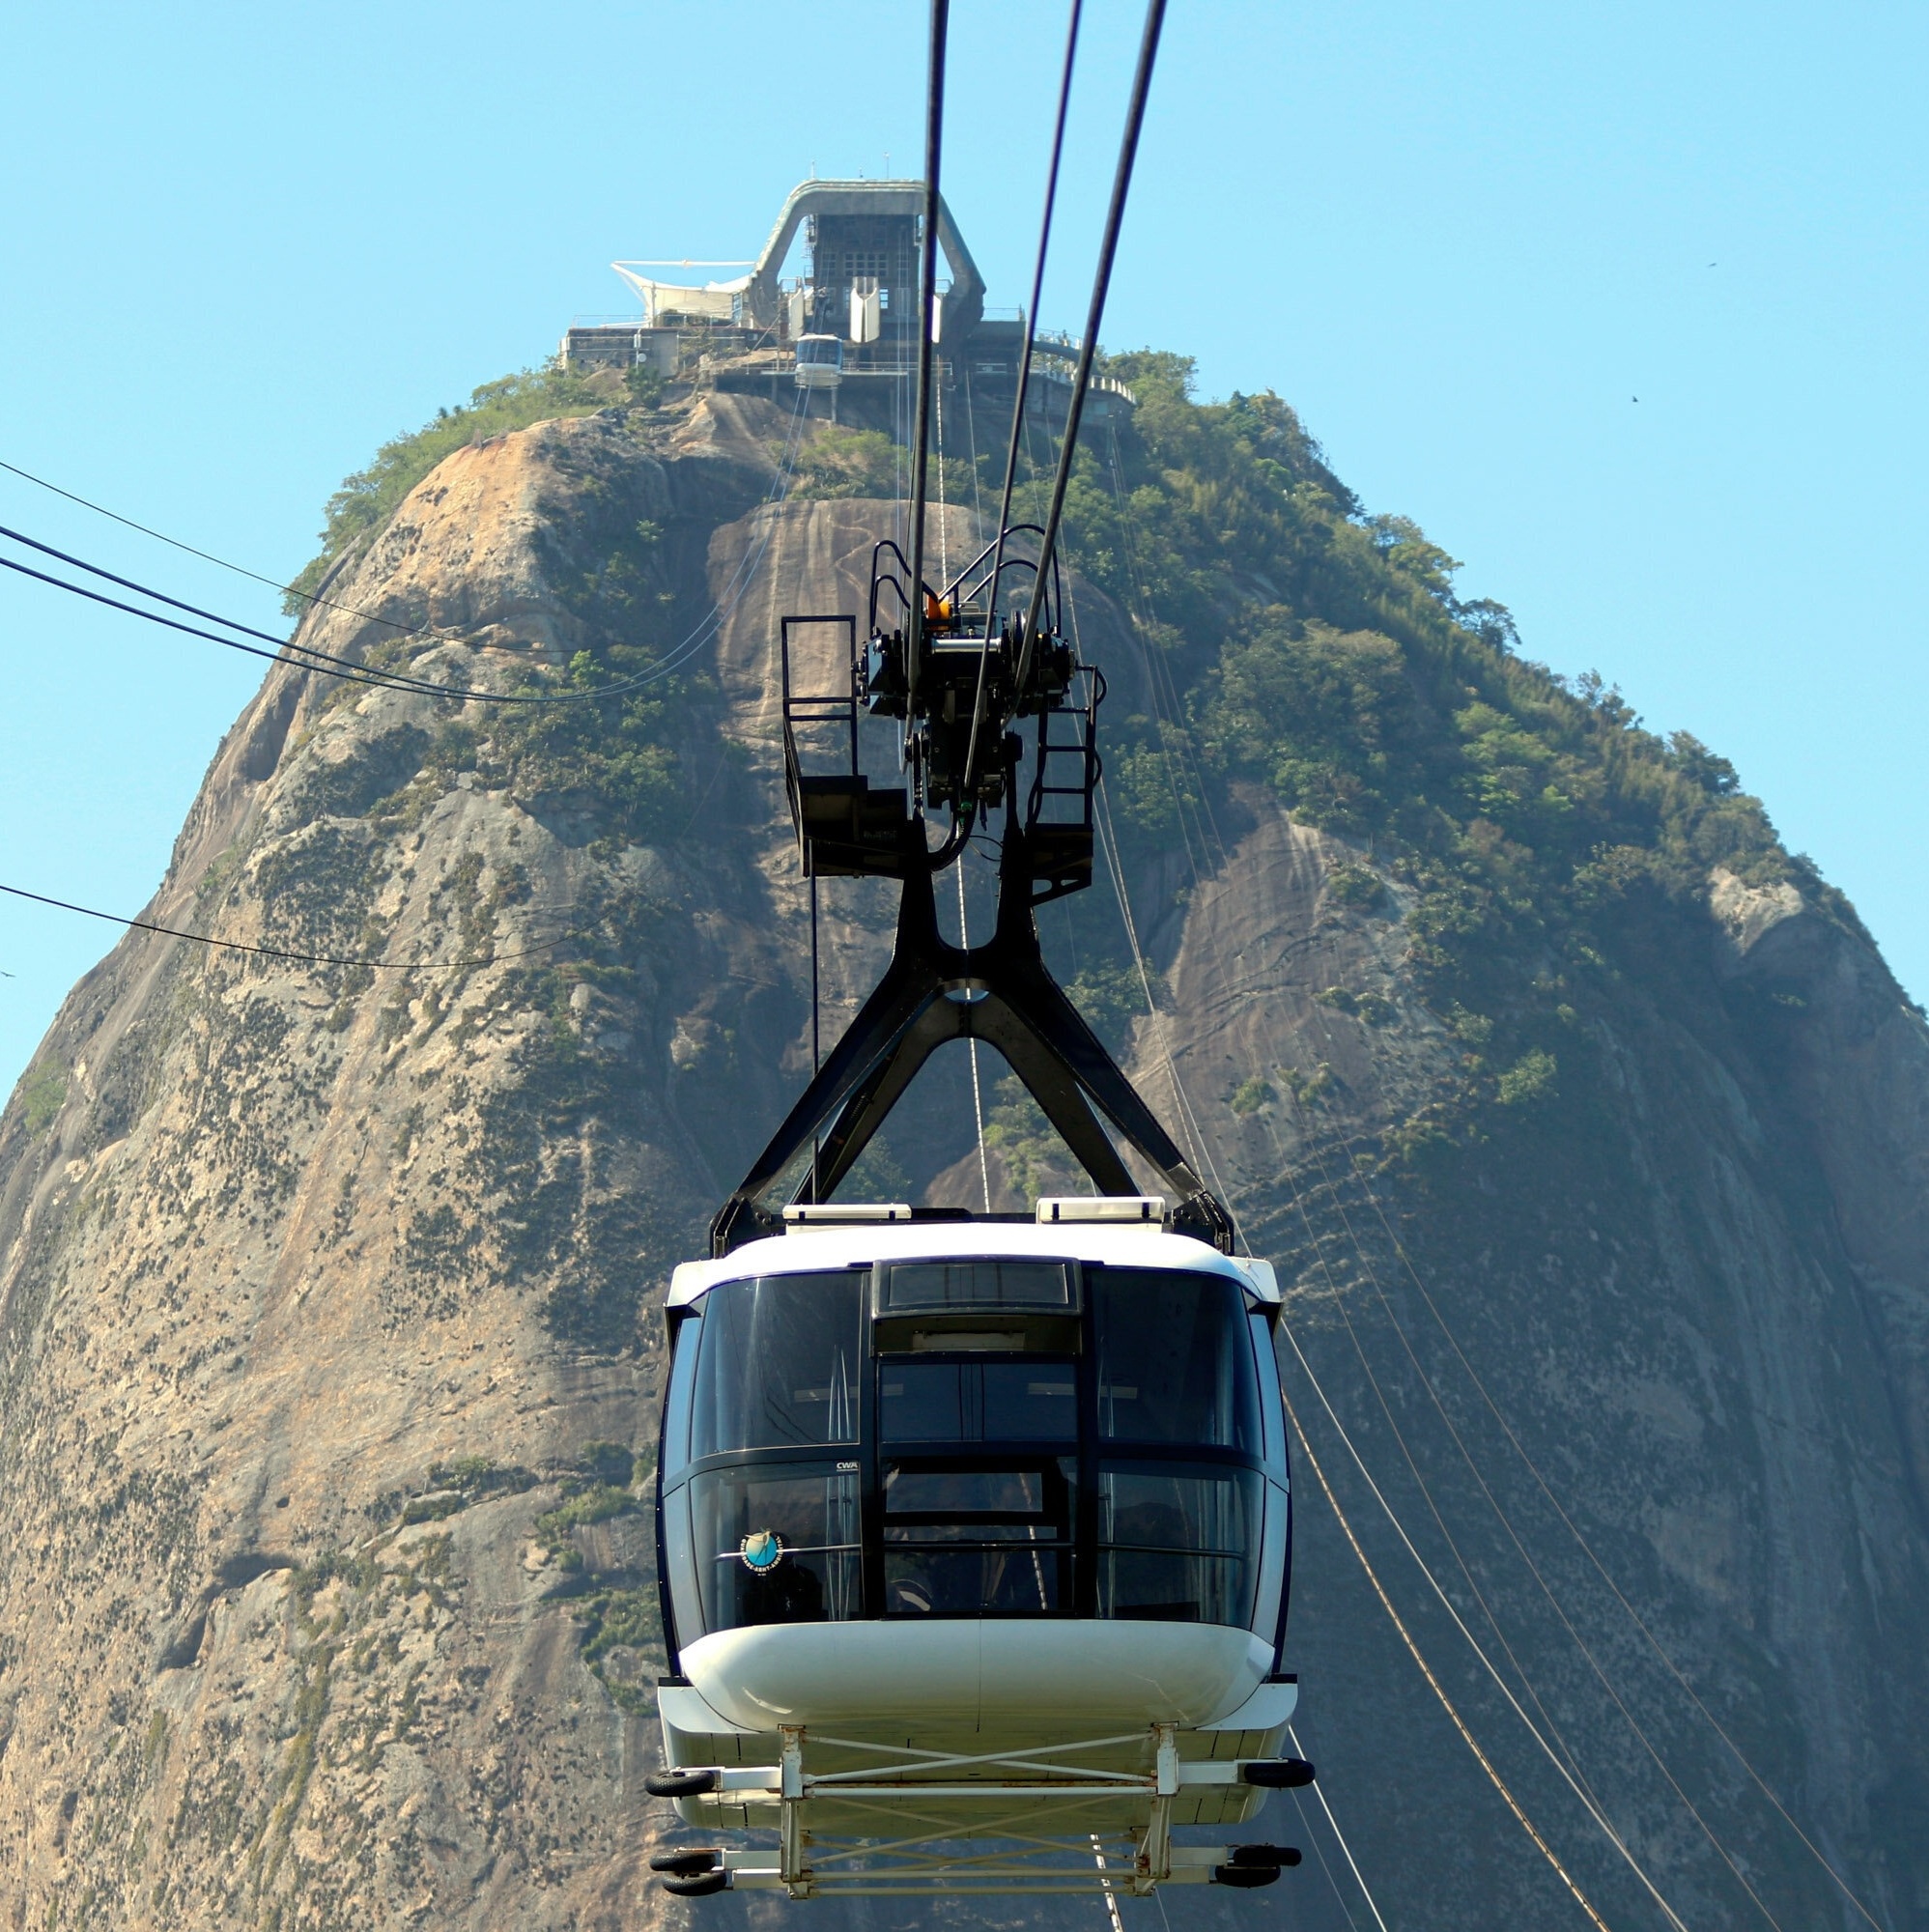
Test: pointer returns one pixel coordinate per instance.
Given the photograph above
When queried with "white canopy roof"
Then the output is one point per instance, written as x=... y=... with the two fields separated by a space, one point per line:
x=715 y=300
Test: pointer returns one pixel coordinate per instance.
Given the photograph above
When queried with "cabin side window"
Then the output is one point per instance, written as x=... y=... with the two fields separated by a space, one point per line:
x=1178 y=1541
x=1175 y=1361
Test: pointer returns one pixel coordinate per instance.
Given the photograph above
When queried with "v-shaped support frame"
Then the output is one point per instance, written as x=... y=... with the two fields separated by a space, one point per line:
x=1001 y=993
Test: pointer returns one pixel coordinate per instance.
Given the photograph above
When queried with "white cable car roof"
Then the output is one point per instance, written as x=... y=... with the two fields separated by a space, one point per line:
x=811 y=1248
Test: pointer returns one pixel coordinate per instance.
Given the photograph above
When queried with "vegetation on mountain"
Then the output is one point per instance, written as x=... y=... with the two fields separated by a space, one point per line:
x=367 y=499
x=1541 y=839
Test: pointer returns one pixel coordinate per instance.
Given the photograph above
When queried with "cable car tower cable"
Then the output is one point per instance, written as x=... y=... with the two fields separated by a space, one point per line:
x=928 y=329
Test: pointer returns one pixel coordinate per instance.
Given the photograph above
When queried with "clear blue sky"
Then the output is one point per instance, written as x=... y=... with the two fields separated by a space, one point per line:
x=242 y=245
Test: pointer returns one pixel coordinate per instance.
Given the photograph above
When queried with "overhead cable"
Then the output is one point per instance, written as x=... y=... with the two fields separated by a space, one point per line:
x=285 y=650
x=1587 y=1549
x=280 y=656
x=282 y=952
x=1533 y=1569
x=1101 y=282
x=927 y=316
x=1028 y=329
x=220 y=562
x=1467 y=1737
x=1552 y=1756
x=1340 y=1838
x=1189 y=1121
x=308 y=657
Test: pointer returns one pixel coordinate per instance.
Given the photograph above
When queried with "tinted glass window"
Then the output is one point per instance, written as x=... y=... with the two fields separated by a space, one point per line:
x=1179 y=1547
x=931 y=1284
x=1174 y=1360
x=682 y=1382
x=977 y=1402
x=809 y=1574
x=1272 y=1412
x=978 y=1542
x=779 y=1364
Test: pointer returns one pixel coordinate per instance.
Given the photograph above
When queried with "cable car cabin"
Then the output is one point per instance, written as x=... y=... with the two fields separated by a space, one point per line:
x=968 y=1530
x=820 y=361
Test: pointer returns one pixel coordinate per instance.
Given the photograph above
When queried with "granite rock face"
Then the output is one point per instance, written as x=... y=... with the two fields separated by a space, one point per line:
x=329 y=1353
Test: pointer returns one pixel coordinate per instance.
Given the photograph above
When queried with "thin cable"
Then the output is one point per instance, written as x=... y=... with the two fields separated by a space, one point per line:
x=281 y=656
x=1473 y=1642
x=1325 y=1864
x=1565 y=1750
x=1028 y=323
x=928 y=315
x=1108 y=840
x=1433 y=1508
x=280 y=952
x=1425 y=1671
x=1533 y=1568
x=1108 y=845
x=1340 y=1837
x=977 y=1092
x=307 y=657
x=1601 y=1569
x=1600 y=1818
x=285 y=650
x=222 y=563
x=1101 y=282
x=1175 y=742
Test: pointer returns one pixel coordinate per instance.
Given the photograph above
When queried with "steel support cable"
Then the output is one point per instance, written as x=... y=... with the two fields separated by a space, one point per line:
x=1473 y=1642
x=1026 y=328
x=1319 y=1852
x=284 y=649
x=1447 y=1536
x=307 y=657
x=1204 y=1153
x=1425 y=1490
x=1339 y=1838
x=1189 y=1125
x=1153 y=673
x=1108 y=842
x=1101 y=283
x=1640 y=1734
x=1527 y=1557
x=1174 y=741
x=282 y=952
x=1467 y=1737
x=1165 y=703
x=281 y=656
x=1533 y=1568
x=1575 y=1780
x=927 y=316
x=220 y=562
x=1601 y=1569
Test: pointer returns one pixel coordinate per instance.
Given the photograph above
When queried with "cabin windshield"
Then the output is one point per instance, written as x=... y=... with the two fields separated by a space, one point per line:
x=779 y=1364
x=981 y=1438
x=820 y=351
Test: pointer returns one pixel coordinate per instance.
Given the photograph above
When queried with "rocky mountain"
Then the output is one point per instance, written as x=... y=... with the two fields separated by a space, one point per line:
x=1586 y=1125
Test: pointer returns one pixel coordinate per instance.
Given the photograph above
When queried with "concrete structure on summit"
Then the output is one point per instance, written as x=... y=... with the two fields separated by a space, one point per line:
x=860 y=285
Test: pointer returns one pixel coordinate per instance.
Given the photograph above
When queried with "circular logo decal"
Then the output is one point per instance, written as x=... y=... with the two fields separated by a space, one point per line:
x=761 y=1550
